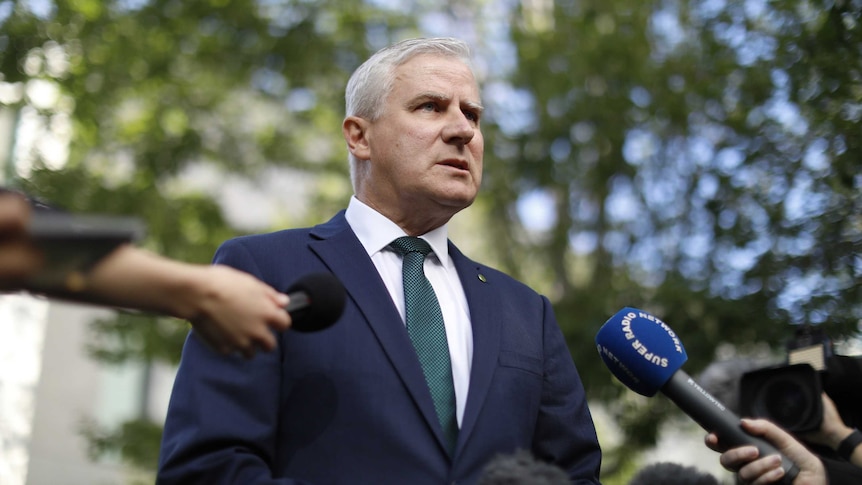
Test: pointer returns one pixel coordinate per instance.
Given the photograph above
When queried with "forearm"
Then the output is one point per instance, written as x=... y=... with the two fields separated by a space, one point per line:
x=134 y=278
x=231 y=310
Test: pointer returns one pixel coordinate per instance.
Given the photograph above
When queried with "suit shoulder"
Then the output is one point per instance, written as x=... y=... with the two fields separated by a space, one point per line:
x=269 y=239
x=265 y=255
x=287 y=238
x=511 y=281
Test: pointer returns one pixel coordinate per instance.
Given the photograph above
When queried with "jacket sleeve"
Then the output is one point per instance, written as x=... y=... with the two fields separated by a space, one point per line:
x=223 y=412
x=565 y=433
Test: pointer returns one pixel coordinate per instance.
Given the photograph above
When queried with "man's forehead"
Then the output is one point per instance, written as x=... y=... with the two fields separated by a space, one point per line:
x=433 y=76
x=436 y=64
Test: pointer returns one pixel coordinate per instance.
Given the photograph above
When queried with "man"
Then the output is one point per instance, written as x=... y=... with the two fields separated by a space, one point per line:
x=354 y=403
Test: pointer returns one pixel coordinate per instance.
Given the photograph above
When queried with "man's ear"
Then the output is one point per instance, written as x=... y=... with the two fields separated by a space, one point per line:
x=355 y=130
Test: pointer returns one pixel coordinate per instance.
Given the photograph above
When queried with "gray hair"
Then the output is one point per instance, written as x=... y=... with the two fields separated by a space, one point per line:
x=372 y=82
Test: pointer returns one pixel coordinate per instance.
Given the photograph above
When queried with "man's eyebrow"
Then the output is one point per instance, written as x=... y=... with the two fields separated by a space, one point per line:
x=429 y=95
x=474 y=106
x=434 y=96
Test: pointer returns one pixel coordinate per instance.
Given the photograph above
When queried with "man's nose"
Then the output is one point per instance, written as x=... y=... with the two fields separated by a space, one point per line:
x=459 y=129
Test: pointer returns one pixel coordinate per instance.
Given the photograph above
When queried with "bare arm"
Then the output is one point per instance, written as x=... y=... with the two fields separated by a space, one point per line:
x=229 y=309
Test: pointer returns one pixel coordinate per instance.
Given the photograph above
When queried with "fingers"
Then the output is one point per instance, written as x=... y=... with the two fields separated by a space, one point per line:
x=736 y=458
x=751 y=469
x=209 y=337
x=220 y=342
x=711 y=441
x=762 y=471
x=239 y=313
x=280 y=299
x=808 y=463
x=18 y=260
x=278 y=318
x=264 y=339
x=770 y=432
x=14 y=214
x=245 y=337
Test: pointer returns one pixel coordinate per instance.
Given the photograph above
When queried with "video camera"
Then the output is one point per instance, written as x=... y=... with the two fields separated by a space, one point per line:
x=789 y=394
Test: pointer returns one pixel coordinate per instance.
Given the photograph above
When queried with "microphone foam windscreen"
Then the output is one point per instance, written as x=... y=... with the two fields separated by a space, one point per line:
x=640 y=350
x=326 y=302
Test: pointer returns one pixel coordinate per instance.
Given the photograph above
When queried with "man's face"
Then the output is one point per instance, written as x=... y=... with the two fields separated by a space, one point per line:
x=425 y=151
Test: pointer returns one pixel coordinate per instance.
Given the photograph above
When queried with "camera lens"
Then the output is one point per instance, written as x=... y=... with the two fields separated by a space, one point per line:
x=787 y=395
x=785 y=401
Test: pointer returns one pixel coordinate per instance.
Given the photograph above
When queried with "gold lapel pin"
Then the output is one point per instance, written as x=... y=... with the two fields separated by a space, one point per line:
x=482 y=278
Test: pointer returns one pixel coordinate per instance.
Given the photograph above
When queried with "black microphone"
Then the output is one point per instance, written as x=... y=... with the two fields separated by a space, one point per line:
x=646 y=355
x=522 y=468
x=316 y=302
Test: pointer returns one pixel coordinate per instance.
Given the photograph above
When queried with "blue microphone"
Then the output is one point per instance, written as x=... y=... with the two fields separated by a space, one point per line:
x=646 y=355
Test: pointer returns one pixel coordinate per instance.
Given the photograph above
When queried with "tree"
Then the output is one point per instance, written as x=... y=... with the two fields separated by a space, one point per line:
x=699 y=160
x=138 y=94
x=695 y=159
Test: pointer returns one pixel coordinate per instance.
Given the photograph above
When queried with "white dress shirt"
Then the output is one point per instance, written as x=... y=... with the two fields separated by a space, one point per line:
x=376 y=232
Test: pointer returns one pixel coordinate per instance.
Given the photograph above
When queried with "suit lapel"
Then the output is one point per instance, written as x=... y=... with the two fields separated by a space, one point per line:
x=485 y=319
x=341 y=251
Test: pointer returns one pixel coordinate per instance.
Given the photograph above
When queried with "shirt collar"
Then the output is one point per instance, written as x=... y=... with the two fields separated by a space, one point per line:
x=375 y=231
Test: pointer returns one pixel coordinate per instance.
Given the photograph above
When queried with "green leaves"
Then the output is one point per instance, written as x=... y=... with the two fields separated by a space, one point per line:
x=151 y=94
x=699 y=161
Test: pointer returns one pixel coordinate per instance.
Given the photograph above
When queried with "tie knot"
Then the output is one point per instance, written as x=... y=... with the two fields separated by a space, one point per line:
x=408 y=244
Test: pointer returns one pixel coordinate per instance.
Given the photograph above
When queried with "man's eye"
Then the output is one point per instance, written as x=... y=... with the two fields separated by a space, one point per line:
x=429 y=106
x=471 y=116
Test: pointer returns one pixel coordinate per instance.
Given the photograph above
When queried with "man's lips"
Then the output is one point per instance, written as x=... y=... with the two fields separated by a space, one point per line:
x=459 y=164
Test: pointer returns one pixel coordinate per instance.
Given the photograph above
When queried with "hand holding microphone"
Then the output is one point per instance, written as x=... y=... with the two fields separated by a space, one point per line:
x=240 y=312
x=89 y=258
x=646 y=355
x=753 y=467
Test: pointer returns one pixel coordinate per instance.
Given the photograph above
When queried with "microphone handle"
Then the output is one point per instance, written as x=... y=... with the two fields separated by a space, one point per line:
x=714 y=417
x=298 y=301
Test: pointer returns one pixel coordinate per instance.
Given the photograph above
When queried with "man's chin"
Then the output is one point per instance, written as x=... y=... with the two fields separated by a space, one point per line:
x=459 y=193
x=457 y=203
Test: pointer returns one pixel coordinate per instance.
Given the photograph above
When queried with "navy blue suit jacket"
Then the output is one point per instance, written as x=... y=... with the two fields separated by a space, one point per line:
x=349 y=404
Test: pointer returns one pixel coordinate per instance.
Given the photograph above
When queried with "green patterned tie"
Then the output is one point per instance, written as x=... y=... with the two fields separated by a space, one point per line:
x=427 y=332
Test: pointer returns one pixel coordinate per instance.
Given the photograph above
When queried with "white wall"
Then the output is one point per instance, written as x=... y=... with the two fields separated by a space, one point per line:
x=71 y=386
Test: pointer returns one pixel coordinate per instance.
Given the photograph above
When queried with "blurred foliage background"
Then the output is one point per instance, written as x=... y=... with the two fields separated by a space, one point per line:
x=699 y=160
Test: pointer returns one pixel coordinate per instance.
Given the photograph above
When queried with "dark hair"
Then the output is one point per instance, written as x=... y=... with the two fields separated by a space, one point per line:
x=666 y=473
x=522 y=468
